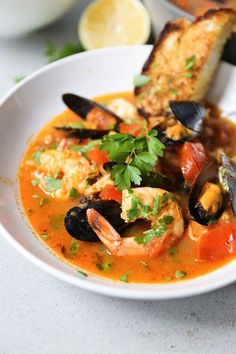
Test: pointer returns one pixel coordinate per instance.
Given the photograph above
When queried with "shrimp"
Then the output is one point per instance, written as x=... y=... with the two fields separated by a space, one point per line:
x=69 y=166
x=153 y=204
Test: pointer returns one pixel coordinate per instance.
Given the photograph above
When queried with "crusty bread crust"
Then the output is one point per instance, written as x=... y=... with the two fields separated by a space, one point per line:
x=183 y=61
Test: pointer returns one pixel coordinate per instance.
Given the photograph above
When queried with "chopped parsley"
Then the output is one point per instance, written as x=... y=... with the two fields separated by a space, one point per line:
x=82 y=273
x=106 y=265
x=43 y=201
x=74 y=247
x=84 y=149
x=141 y=80
x=44 y=236
x=56 y=221
x=174 y=91
x=173 y=251
x=75 y=125
x=157 y=230
x=135 y=157
x=36 y=196
x=124 y=278
x=179 y=274
x=168 y=278
x=189 y=75
x=35 y=182
x=52 y=184
x=74 y=193
x=54 y=53
x=36 y=156
x=190 y=62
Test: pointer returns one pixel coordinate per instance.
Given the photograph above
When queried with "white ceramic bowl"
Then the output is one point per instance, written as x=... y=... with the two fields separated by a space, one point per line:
x=30 y=104
x=19 y=17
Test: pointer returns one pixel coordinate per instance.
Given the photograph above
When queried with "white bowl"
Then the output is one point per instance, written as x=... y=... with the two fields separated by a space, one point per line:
x=30 y=104
x=19 y=17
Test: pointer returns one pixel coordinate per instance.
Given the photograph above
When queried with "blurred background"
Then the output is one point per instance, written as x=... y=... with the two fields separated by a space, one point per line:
x=34 y=33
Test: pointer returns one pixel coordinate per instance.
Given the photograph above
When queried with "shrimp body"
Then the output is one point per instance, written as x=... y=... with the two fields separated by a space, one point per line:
x=157 y=243
x=71 y=168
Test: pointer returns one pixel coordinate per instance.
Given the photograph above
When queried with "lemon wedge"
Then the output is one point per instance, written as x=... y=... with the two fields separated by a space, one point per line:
x=106 y=23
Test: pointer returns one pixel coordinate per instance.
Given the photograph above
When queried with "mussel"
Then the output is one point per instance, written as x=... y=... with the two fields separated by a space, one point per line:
x=228 y=177
x=82 y=106
x=190 y=114
x=76 y=222
x=207 y=200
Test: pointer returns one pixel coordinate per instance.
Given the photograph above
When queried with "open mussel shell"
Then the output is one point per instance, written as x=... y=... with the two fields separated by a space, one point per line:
x=76 y=223
x=189 y=113
x=209 y=173
x=228 y=176
x=168 y=141
x=82 y=106
x=83 y=133
x=158 y=180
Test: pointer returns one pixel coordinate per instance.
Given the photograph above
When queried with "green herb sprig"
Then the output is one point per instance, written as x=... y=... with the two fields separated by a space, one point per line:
x=135 y=157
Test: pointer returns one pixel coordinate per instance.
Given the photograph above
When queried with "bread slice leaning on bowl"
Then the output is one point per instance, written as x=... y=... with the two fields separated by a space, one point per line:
x=183 y=61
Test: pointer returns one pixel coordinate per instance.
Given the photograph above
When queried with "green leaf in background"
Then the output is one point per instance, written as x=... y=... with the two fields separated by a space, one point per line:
x=54 y=53
x=53 y=183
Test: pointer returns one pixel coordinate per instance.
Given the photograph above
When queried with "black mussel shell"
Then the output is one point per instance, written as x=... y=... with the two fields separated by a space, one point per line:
x=228 y=175
x=83 y=133
x=189 y=113
x=157 y=180
x=82 y=106
x=107 y=166
x=209 y=173
x=77 y=225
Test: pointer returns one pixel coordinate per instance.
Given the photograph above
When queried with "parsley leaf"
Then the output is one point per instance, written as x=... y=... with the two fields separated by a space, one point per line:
x=190 y=62
x=141 y=80
x=135 y=157
x=36 y=156
x=73 y=192
x=124 y=278
x=53 y=53
x=84 y=149
x=74 y=247
x=35 y=182
x=53 y=184
x=179 y=274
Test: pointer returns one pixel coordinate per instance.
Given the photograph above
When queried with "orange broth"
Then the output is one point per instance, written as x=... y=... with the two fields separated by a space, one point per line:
x=46 y=216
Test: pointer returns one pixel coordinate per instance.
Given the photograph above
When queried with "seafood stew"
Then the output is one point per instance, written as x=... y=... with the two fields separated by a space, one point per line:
x=130 y=196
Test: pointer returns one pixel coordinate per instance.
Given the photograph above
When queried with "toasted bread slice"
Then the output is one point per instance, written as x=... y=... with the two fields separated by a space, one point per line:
x=183 y=61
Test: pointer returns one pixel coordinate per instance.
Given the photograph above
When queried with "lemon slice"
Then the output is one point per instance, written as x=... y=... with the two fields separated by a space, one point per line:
x=106 y=23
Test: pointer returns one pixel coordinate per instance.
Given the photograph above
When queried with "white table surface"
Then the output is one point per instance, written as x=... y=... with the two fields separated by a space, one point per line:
x=40 y=314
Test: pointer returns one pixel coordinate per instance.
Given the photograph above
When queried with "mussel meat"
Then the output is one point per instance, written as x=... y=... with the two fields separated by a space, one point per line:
x=228 y=177
x=190 y=114
x=207 y=200
x=76 y=222
x=82 y=106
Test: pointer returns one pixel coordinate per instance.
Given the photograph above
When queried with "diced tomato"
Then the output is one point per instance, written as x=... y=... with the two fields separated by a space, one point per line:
x=191 y=158
x=98 y=156
x=111 y=193
x=133 y=129
x=218 y=243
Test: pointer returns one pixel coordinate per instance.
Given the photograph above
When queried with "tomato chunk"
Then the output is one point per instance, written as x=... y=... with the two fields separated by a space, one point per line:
x=111 y=193
x=191 y=158
x=98 y=156
x=133 y=129
x=218 y=243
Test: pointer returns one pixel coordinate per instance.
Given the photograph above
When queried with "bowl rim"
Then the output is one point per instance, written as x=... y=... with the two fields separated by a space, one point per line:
x=112 y=288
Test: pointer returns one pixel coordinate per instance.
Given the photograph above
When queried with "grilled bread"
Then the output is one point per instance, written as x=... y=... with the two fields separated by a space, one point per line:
x=183 y=61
